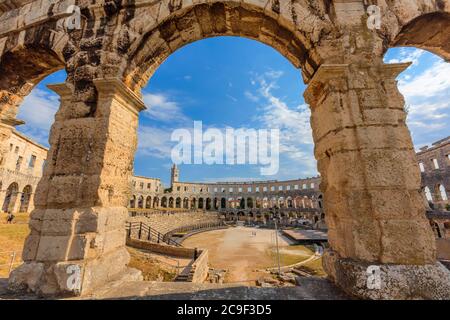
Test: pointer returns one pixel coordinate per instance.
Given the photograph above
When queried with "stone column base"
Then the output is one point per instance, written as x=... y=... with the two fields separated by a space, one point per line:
x=360 y=279
x=73 y=251
x=51 y=279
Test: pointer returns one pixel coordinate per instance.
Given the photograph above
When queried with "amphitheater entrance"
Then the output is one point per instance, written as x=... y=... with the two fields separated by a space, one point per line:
x=370 y=178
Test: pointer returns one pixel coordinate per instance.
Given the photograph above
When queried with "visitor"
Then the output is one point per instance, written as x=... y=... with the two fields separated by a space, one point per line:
x=9 y=217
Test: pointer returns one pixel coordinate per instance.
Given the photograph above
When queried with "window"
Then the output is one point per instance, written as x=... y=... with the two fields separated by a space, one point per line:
x=16 y=150
x=272 y=188
x=10 y=146
x=215 y=189
x=223 y=189
x=296 y=187
x=230 y=190
x=288 y=188
x=443 y=193
x=257 y=189
x=178 y=188
x=149 y=185
x=421 y=167
x=32 y=161
x=280 y=188
x=428 y=194
x=193 y=189
x=249 y=189
x=141 y=185
x=19 y=163
x=304 y=186
x=264 y=189
x=312 y=185
x=185 y=188
x=435 y=163
x=134 y=183
x=240 y=189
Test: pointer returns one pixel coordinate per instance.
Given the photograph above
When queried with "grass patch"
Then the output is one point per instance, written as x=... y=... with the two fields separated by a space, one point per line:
x=290 y=255
x=152 y=269
x=12 y=238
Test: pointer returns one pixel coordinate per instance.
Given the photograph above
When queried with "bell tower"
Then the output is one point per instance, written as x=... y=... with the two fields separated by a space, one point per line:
x=174 y=174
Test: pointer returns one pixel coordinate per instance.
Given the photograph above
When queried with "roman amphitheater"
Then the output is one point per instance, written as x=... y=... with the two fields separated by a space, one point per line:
x=369 y=205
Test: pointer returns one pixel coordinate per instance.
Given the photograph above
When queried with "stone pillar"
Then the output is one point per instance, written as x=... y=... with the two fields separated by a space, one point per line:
x=371 y=184
x=77 y=239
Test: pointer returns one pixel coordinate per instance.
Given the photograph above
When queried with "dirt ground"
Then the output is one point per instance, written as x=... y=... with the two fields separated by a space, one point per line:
x=243 y=255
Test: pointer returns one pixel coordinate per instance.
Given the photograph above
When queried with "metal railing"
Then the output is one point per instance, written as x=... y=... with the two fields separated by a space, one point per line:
x=144 y=232
x=194 y=227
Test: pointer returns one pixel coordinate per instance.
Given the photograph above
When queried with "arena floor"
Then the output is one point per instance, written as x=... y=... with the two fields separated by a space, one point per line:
x=245 y=251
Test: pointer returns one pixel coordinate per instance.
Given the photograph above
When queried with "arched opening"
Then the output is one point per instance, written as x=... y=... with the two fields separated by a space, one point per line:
x=171 y=202
x=25 y=199
x=249 y=203
x=164 y=202
x=148 y=202
x=11 y=197
x=223 y=203
x=133 y=202
x=442 y=192
x=200 y=203
x=141 y=202
x=208 y=204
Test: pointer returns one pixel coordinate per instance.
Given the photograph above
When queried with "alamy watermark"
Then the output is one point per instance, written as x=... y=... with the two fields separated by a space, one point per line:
x=374 y=19
x=234 y=146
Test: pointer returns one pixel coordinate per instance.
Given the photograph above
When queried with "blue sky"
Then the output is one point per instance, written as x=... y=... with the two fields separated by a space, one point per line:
x=240 y=83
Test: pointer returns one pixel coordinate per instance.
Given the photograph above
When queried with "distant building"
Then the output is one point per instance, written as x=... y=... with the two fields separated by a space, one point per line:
x=434 y=164
x=20 y=171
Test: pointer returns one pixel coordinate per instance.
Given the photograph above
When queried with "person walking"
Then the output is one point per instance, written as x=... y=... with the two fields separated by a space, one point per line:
x=9 y=217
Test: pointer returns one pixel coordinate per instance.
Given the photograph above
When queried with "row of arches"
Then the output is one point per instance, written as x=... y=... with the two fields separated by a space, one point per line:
x=15 y=200
x=216 y=203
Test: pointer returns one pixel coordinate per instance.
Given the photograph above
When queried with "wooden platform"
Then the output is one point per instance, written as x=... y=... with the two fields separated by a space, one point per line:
x=306 y=236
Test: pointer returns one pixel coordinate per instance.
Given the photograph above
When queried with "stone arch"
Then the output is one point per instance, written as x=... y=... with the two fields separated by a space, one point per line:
x=140 y=203
x=428 y=31
x=25 y=198
x=133 y=201
x=200 y=203
x=171 y=202
x=223 y=203
x=25 y=62
x=11 y=197
x=250 y=204
x=178 y=202
x=155 y=202
x=148 y=202
x=186 y=203
x=208 y=205
x=194 y=203
x=284 y=30
x=164 y=202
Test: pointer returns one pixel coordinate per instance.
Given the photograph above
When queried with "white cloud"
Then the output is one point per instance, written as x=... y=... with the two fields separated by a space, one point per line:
x=160 y=108
x=154 y=141
x=38 y=111
x=292 y=121
x=408 y=55
x=250 y=96
x=432 y=82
